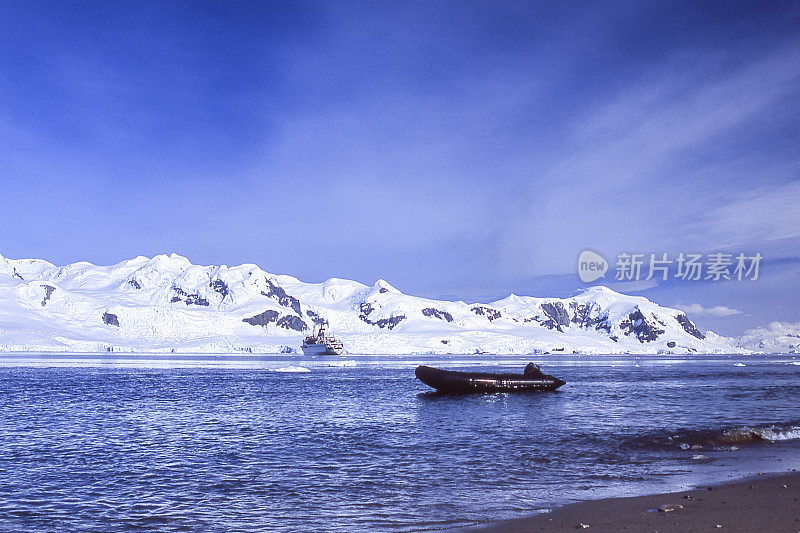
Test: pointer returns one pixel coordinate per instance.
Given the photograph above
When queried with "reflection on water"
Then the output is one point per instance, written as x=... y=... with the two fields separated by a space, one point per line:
x=276 y=443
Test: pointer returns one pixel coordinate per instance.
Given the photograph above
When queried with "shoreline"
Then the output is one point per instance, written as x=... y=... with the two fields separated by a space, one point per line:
x=769 y=502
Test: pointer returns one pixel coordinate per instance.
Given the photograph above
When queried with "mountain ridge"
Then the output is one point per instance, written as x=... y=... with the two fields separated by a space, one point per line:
x=166 y=303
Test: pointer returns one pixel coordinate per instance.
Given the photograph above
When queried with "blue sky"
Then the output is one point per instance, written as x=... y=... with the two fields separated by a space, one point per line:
x=457 y=149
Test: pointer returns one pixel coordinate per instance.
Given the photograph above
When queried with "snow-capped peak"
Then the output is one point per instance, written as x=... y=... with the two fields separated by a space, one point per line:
x=382 y=286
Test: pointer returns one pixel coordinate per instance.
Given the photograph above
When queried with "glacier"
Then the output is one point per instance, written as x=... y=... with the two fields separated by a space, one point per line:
x=166 y=303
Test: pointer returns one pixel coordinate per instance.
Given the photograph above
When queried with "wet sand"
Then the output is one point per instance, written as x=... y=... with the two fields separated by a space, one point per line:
x=762 y=504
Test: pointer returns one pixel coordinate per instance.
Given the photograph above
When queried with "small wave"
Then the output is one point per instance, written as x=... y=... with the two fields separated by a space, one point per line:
x=290 y=369
x=740 y=364
x=749 y=434
x=743 y=435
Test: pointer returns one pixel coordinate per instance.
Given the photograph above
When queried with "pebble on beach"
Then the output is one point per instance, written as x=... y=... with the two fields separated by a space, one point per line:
x=669 y=507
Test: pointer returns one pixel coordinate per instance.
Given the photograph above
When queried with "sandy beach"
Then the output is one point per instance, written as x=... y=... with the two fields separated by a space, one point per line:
x=769 y=503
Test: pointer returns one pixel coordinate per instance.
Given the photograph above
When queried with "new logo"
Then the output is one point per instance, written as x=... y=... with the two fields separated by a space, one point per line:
x=591 y=266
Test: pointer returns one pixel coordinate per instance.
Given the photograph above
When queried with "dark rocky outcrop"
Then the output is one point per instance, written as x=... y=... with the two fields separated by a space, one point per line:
x=17 y=275
x=292 y=322
x=48 y=290
x=671 y=344
x=383 y=290
x=135 y=284
x=600 y=322
x=689 y=327
x=637 y=324
x=195 y=299
x=188 y=299
x=367 y=309
x=219 y=286
x=110 y=319
x=277 y=293
x=488 y=312
x=262 y=319
x=582 y=316
x=315 y=318
x=436 y=313
x=388 y=323
x=557 y=316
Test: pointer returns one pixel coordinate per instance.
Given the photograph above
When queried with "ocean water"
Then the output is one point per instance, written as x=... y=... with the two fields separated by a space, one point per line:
x=222 y=443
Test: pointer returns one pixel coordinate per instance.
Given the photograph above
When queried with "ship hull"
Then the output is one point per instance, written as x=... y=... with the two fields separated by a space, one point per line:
x=320 y=349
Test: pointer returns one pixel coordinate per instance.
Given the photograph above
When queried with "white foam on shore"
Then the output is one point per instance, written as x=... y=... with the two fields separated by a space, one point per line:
x=755 y=434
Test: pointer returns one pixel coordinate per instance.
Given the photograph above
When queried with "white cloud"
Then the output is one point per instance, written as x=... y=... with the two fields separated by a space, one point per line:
x=759 y=215
x=717 y=310
x=777 y=328
x=777 y=337
x=634 y=172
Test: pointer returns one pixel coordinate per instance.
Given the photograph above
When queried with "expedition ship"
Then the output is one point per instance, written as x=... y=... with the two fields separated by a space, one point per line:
x=319 y=344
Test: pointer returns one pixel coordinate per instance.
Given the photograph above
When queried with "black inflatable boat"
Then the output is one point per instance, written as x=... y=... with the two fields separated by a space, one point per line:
x=471 y=382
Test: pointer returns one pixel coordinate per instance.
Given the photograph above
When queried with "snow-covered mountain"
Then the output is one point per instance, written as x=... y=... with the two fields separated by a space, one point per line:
x=167 y=303
x=778 y=337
